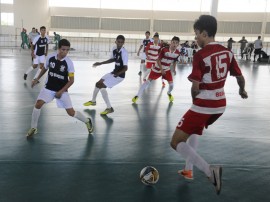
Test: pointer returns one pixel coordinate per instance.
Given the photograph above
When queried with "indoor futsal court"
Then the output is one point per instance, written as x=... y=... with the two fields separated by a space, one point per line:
x=62 y=162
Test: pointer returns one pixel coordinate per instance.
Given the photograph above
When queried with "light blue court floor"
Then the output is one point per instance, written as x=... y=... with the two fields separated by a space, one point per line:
x=63 y=163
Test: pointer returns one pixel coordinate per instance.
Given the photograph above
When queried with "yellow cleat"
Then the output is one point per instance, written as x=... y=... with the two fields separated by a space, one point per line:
x=171 y=98
x=90 y=103
x=107 y=111
x=89 y=126
x=31 y=132
x=134 y=100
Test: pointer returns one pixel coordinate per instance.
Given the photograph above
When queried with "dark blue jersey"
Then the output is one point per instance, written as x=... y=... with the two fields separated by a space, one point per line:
x=40 y=45
x=121 y=59
x=58 y=72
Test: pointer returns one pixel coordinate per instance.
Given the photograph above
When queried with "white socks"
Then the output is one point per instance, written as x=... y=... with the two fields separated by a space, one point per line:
x=145 y=73
x=78 y=115
x=35 y=117
x=142 y=66
x=29 y=70
x=170 y=88
x=37 y=73
x=143 y=87
x=96 y=90
x=105 y=97
x=189 y=153
x=193 y=142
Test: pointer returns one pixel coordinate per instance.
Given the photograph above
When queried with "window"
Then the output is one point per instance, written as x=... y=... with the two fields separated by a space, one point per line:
x=7 y=19
x=182 y=5
x=247 y=6
x=6 y=1
x=128 y=5
x=75 y=3
x=159 y=5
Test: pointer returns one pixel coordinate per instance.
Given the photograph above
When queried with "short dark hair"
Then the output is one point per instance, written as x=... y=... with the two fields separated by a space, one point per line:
x=42 y=27
x=156 y=35
x=206 y=23
x=120 y=37
x=63 y=42
x=147 y=32
x=176 y=38
x=33 y=28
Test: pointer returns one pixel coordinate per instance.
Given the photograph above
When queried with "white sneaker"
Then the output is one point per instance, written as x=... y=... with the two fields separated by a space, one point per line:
x=216 y=173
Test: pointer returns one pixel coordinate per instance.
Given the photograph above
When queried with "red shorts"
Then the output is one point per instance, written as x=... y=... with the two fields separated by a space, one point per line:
x=154 y=75
x=149 y=65
x=193 y=122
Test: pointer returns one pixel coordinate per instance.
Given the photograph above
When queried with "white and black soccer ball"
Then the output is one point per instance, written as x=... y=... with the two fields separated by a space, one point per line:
x=149 y=175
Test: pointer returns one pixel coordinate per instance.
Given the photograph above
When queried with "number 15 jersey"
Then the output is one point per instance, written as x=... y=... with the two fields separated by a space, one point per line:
x=210 y=68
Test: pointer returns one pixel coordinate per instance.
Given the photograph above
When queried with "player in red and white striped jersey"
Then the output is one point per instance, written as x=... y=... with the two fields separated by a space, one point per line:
x=167 y=56
x=211 y=65
x=152 y=52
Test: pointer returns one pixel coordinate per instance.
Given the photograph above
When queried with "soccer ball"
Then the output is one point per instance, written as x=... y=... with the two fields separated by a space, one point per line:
x=149 y=175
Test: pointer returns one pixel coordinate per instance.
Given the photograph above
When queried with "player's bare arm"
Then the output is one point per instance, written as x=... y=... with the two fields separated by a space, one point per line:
x=32 y=51
x=195 y=90
x=65 y=88
x=47 y=46
x=35 y=81
x=160 y=66
x=104 y=62
x=241 y=84
x=138 y=53
x=174 y=68
x=122 y=71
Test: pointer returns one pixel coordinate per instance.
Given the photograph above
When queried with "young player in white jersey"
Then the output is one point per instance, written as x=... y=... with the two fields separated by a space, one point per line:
x=32 y=35
x=258 y=48
x=211 y=66
x=39 y=51
x=142 y=55
x=120 y=57
x=166 y=57
x=60 y=78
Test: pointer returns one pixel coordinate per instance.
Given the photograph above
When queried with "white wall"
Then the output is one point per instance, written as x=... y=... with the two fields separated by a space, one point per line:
x=27 y=14
x=35 y=13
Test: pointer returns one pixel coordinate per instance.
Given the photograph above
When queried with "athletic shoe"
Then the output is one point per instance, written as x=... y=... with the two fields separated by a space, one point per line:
x=90 y=103
x=187 y=174
x=170 y=97
x=89 y=126
x=31 y=132
x=216 y=173
x=140 y=73
x=163 y=84
x=107 y=111
x=134 y=100
x=25 y=76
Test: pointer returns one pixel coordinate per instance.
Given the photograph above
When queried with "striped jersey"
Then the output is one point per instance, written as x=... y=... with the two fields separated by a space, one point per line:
x=166 y=58
x=152 y=50
x=145 y=42
x=210 y=67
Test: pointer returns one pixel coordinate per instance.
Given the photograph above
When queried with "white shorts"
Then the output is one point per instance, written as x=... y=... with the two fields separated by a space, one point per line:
x=110 y=81
x=143 y=56
x=48 y=95
x=39 y=59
